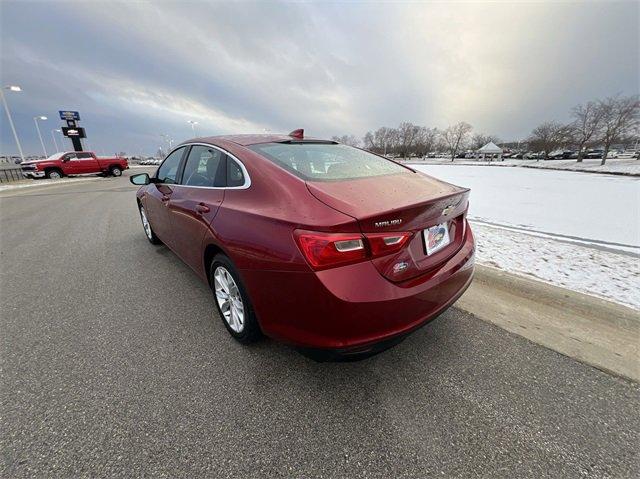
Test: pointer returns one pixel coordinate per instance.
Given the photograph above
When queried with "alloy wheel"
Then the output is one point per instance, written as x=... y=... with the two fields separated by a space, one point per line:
x=145 y=224
x=229 y=299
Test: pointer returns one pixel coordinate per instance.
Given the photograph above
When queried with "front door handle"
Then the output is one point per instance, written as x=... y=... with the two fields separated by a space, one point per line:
x=202 y=208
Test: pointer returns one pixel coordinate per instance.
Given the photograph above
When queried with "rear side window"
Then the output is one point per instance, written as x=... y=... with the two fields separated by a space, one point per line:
x=235 y=177
x=84 y=156
x=327 y=162
x=204 y=167
x=169 y=168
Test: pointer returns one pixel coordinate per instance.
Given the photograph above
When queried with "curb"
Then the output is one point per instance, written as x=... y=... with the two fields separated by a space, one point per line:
x=600 y=333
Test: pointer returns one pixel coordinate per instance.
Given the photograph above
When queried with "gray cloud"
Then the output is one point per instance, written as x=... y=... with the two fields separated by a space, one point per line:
x=136 y=70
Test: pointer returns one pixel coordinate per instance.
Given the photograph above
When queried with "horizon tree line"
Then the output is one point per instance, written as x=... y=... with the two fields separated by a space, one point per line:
x=598 y=123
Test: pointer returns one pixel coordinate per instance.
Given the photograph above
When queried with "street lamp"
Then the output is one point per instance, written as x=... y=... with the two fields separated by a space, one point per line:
x=168 y=139
x=53 y=137
x=193 y=126
x=35 y=120
x=14 y=88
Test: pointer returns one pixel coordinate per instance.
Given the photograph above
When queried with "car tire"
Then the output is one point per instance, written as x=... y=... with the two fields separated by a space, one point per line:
x=53 y=174
x=146 y=226
x=116 y=171
x=238 y=316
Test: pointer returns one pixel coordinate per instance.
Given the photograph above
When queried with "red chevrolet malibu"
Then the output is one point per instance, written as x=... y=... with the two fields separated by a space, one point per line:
x=335 y=250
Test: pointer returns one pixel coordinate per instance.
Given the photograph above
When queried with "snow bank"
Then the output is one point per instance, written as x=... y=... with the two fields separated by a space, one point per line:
x=605 y=274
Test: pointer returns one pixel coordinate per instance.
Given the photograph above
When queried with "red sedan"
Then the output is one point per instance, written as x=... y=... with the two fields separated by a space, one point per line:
x=335 y=250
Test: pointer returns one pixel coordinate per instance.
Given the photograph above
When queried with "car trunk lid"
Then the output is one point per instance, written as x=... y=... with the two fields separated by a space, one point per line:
x=406 y=202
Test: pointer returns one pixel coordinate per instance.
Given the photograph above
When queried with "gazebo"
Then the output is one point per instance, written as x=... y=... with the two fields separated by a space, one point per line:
x=490 y=149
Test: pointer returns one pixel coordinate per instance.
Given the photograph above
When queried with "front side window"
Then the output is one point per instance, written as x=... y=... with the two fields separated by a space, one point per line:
x=70 y=156
x=327 y=161
x=169 y=169
x=204 y=167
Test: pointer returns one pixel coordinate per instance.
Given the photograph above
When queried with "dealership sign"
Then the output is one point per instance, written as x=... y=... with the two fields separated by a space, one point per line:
x=73 y=132
x=69 y=115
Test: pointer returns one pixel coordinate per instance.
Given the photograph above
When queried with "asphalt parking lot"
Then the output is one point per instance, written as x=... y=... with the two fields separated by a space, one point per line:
x=114 y=363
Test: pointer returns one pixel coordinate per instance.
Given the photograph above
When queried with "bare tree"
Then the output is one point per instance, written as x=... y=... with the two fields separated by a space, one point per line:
x=455 y=137
x=587 y=121
x=548 y=136
x=426 y=140
x=619 y=118
x=392 y=141
x=350 y=140
x=379 y=141
x=368 y=141
x=407 y=136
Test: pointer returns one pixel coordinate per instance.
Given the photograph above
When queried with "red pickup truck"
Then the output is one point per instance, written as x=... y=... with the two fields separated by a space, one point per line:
x=73 y=163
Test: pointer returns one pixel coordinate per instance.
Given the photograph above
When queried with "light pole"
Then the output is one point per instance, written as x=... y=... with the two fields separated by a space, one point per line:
x=15 y=88
x=62 y=142
x=168 y=139
x=35 y=120
x=53 y=137
x=193 y=126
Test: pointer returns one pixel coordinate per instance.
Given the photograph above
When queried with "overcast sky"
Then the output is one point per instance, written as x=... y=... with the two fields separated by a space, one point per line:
x=138 y=70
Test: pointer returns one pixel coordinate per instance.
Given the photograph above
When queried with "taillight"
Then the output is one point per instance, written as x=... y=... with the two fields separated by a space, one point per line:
x=325 y=250
x=330 y=249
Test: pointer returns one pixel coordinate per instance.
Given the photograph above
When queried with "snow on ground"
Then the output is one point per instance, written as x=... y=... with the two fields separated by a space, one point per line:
x=609 y=275
x=597 y=209
x=614 y=165
x=569 y=229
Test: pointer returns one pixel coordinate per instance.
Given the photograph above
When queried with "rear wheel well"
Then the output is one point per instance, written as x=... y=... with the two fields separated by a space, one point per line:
x=209 y=253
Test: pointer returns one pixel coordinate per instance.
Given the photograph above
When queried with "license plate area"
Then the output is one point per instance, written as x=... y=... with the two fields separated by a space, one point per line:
x=436 y=238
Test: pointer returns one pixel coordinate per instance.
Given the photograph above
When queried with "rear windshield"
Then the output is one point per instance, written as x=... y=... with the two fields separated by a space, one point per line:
x=326 y=162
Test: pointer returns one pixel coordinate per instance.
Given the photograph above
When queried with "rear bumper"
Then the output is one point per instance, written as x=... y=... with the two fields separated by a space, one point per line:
x=352 y=310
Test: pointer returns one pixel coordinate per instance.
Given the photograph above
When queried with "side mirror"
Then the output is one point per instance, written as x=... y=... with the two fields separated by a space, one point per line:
x=65 y=159
x=140 y=179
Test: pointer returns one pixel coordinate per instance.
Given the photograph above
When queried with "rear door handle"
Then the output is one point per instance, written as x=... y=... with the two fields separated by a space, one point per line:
x=202 y=208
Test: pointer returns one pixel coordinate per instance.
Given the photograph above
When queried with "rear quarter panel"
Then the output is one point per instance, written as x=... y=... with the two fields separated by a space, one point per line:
x=255 y=225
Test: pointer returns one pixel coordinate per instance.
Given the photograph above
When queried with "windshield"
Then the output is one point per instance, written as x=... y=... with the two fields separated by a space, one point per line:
x=55 y=156
x=327 y=161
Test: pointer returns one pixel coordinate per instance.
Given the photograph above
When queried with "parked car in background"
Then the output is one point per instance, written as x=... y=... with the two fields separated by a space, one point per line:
x=563 y=155
x=594 y=153
x=628 y=155
x=335 y=250
x=73 y=163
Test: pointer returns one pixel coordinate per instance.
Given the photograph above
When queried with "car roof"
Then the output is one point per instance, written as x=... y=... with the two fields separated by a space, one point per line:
x=250 y=139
